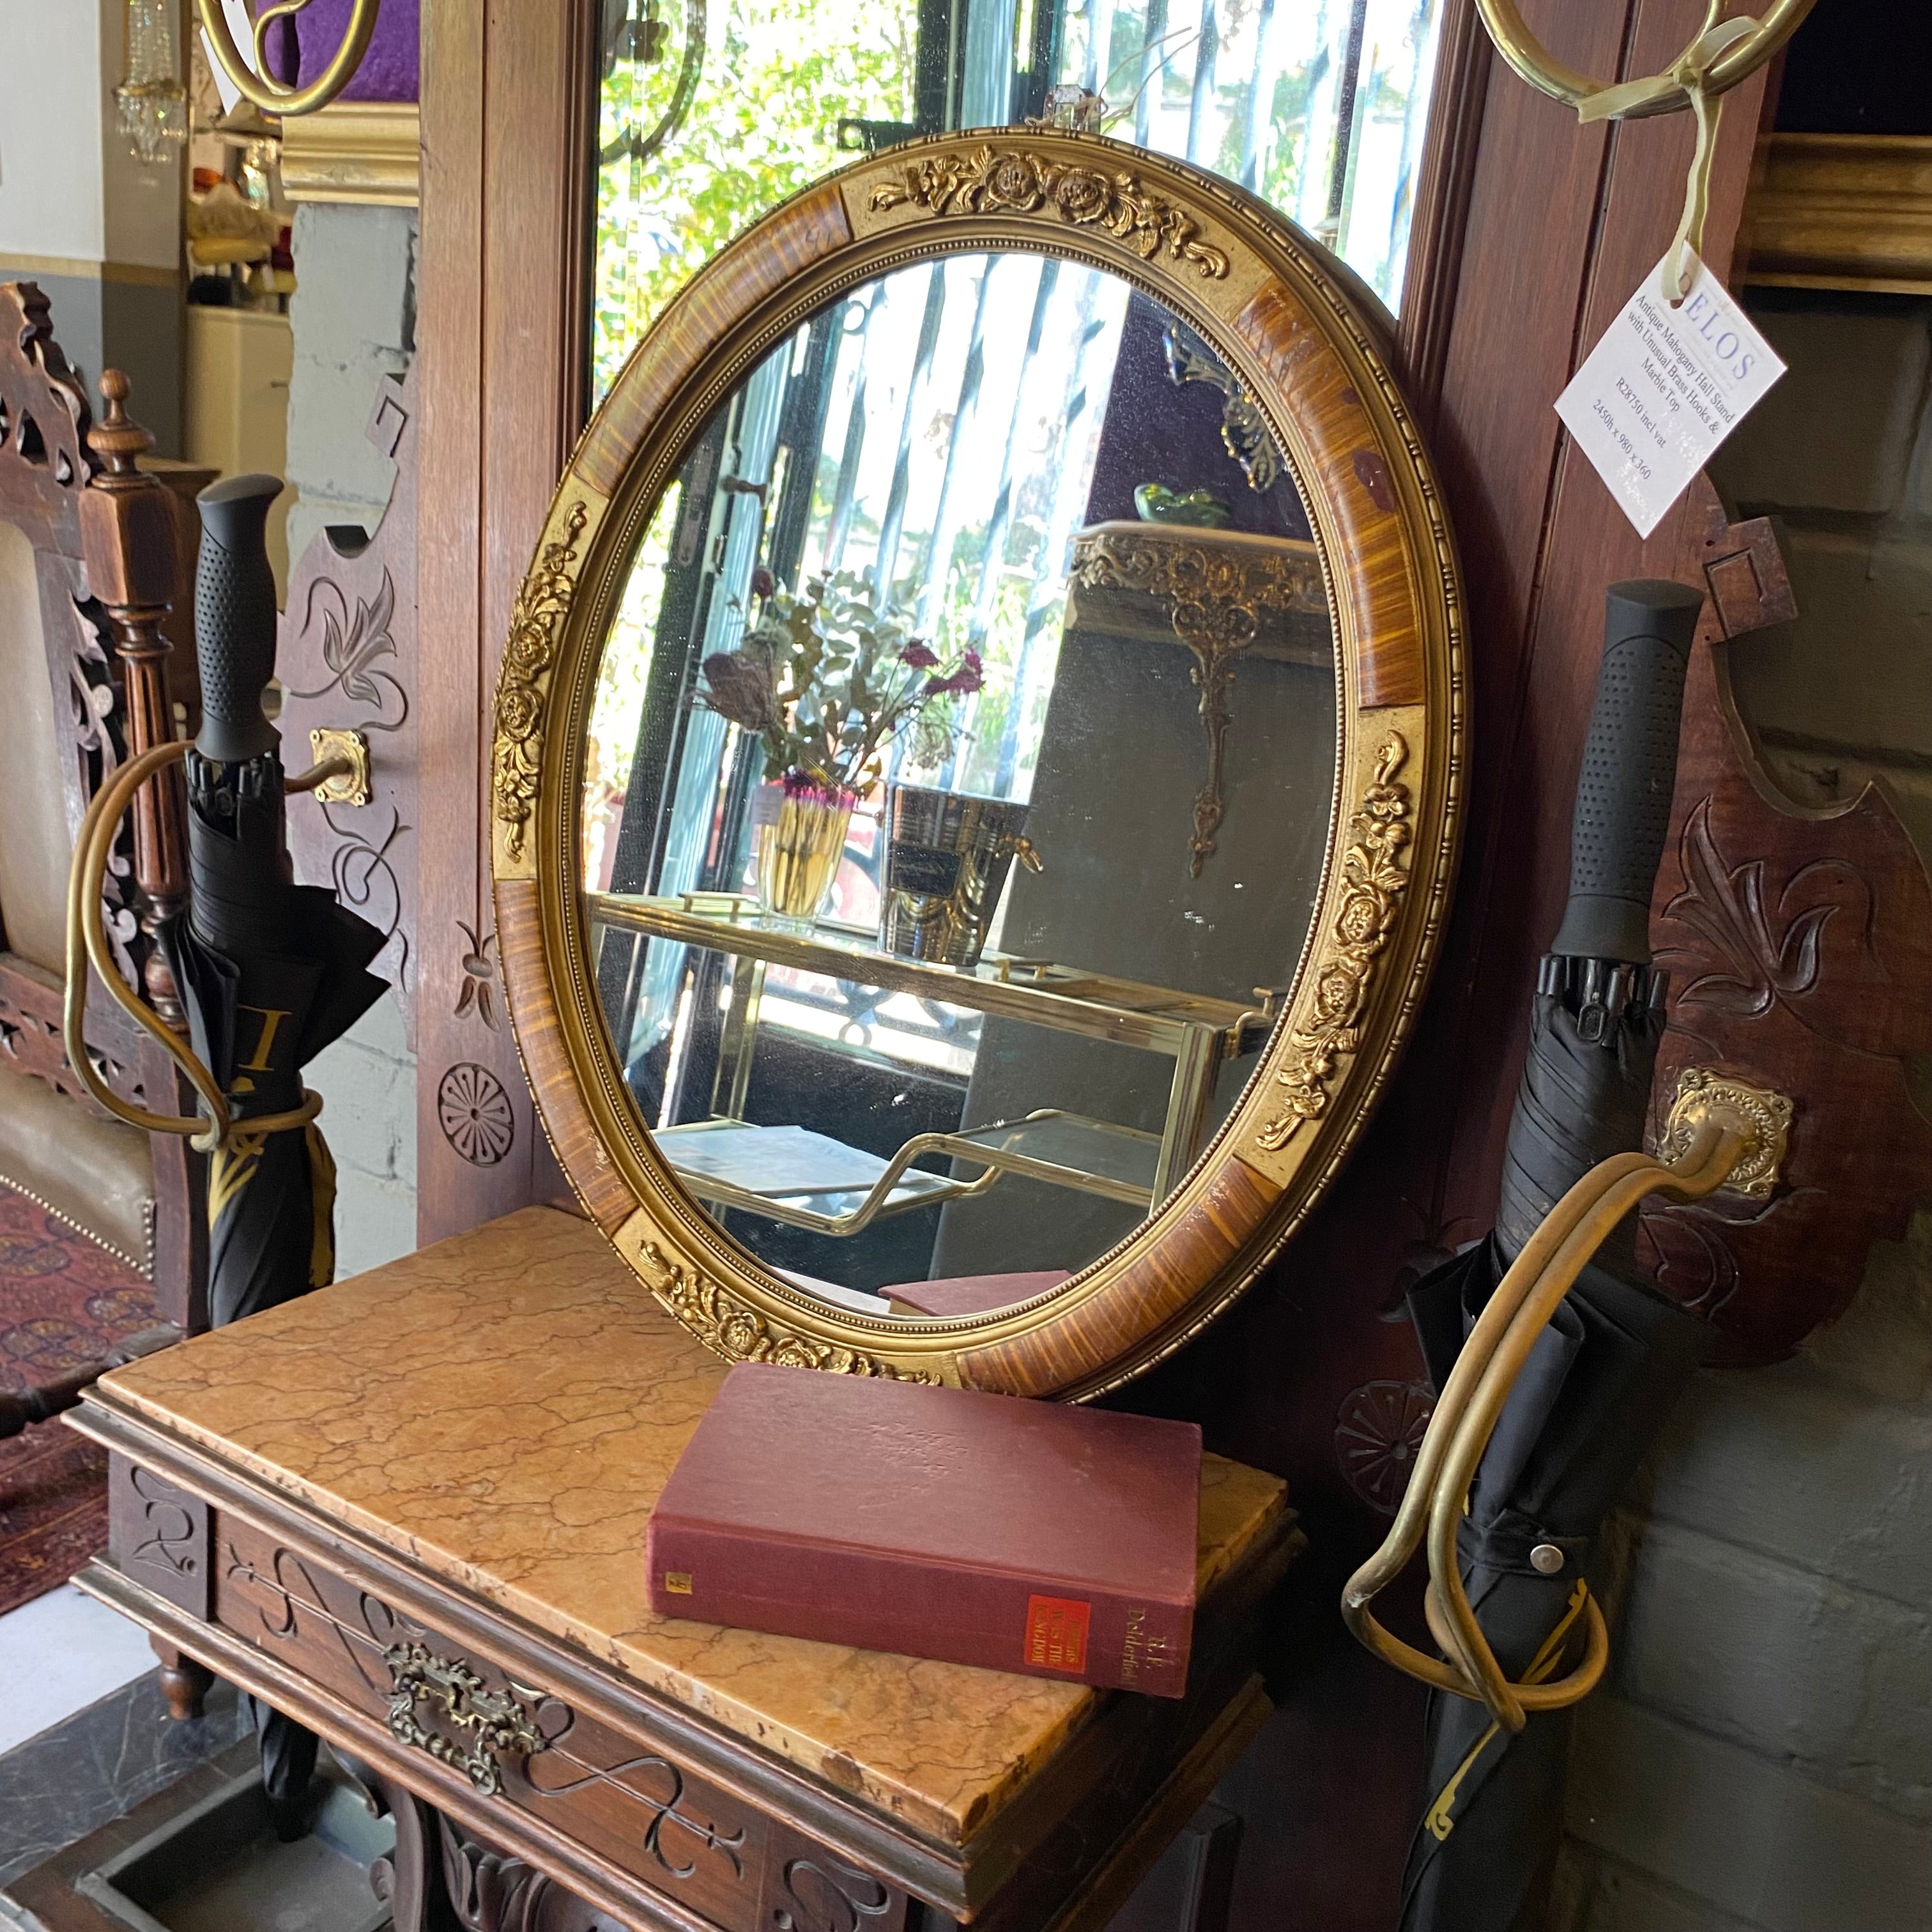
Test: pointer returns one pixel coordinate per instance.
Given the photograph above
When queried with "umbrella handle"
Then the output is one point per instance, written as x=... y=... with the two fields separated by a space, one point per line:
x=87 y=945
x=1722 y=1129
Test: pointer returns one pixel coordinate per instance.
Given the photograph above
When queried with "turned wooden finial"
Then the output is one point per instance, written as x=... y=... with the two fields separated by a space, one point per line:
x=117 y=441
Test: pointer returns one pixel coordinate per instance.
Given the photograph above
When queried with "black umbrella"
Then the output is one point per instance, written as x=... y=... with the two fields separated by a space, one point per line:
x=269 y=973
x=1606 y=1370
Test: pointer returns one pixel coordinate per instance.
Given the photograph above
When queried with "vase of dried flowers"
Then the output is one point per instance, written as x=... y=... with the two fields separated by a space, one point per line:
x=827 y=679
x=798 y=837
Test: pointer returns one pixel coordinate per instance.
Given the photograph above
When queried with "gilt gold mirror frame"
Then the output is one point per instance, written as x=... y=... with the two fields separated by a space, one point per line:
x=1289 y=321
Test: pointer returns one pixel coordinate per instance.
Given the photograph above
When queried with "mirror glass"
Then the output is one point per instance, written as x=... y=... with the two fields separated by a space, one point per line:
x=960 y=775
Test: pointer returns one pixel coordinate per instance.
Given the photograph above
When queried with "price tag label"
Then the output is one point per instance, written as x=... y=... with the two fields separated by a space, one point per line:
x=1662 y=389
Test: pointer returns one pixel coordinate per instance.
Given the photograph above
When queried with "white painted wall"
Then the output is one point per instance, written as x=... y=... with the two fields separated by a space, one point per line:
x=69 y=187
x=51 y=200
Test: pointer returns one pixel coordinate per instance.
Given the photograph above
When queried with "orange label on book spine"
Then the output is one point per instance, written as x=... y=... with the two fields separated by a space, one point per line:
x=1056 y=1632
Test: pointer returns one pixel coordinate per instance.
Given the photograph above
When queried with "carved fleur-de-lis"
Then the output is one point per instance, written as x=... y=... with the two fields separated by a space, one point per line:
x=353 y=644
x=1728 y=906
x=348 y=651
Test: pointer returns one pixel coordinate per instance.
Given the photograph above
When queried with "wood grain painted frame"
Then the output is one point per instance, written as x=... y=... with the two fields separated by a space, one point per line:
x=1279 y=313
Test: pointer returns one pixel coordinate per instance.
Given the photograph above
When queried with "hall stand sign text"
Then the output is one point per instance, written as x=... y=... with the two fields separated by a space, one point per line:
x=1663 y=388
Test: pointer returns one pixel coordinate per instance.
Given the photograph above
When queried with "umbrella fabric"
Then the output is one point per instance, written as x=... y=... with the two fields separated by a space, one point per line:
x=1579 y=1102
x=1597 y=1385
x=1590 y=1397
x=270 y=973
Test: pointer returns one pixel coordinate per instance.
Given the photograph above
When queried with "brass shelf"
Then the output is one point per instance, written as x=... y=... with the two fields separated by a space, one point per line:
x=1155 y=1018
x=1051 y=1144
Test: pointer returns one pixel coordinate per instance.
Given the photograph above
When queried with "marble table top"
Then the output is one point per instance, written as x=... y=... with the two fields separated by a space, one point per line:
x=503 y=1409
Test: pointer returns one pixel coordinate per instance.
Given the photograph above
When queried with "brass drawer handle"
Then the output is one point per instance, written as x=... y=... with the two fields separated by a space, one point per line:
x=500 y=1722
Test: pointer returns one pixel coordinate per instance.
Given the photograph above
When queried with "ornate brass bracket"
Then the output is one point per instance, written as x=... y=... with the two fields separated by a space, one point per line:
x=500 y=1722
x=1245 y=434
x=1698 y=1091
x=1214 y=596
x=341 y=773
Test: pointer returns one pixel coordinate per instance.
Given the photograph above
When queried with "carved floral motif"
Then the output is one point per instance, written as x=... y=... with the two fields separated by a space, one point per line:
x=1014 y=181
x=651 y=1781
x=728 y=1328
x=1763 y=952
x=474 y=1112
x=542 y=603
x=1378 y=1430
x=478 y=994
x=352 y=644
x=1377 y=876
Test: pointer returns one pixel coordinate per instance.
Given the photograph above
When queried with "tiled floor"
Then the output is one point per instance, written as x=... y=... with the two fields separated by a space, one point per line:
x=59 y=1654
x=100 y=1763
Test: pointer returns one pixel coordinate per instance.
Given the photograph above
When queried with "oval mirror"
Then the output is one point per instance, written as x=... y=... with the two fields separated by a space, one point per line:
x=972 y=778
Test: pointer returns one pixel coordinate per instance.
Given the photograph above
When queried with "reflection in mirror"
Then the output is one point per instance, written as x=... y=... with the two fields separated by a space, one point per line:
x=960 y=774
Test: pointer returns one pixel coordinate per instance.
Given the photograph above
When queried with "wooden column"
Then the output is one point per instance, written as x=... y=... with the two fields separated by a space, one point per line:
x=129 y=527
x=508 y=124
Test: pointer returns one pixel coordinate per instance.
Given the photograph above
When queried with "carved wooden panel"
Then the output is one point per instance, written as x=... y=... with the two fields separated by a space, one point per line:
x=31 y=1043
x=809 y=1887
x=1799 y=945
x=347 y=658
x=627 y=1798
x=44 y=460
x=159 y=1534
x=494 y=1890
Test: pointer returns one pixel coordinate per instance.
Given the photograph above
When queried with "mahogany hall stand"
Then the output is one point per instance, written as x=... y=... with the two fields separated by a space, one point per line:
x=409 y=1510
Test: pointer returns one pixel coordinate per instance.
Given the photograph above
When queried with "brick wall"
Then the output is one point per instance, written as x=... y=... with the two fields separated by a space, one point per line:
x=1761 y=1757
x=353 y=318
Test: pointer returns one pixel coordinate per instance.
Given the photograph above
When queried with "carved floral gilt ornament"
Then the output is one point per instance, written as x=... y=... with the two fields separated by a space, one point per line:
x=728 y=1328
x=1214 y=596
x=542 y=603
x=1015 y=181
x=1377 y=876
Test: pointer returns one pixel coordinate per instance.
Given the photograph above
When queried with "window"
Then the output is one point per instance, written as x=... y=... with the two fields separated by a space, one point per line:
x=1319 y=107
x=713 y=111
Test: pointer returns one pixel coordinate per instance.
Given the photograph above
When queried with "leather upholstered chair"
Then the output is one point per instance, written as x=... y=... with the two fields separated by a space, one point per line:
x=82 y=679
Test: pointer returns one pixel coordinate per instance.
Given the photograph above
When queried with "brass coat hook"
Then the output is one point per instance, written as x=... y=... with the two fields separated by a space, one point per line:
x=1722 y=51
x=256 y=84
x=87 y=945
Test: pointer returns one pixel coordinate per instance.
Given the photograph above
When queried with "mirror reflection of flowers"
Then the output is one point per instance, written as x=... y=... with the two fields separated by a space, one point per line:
x=829 y=677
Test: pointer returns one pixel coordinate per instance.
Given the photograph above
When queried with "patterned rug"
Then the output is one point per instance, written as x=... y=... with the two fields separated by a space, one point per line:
x=63 y=1302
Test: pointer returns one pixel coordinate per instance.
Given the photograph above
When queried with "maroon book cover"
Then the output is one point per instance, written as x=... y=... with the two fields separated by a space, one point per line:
x=1035 y=1537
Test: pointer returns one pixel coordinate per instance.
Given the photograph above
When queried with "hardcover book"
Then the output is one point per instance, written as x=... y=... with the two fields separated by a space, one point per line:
x=1036 y=1536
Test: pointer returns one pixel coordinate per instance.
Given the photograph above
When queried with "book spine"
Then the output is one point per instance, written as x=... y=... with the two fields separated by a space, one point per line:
x=1038 y=1626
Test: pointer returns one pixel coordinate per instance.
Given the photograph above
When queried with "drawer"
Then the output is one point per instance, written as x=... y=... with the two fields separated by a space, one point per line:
x=542 y=1769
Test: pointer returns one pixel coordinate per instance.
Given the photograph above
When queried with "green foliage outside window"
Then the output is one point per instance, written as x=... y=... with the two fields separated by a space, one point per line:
x=777 y=77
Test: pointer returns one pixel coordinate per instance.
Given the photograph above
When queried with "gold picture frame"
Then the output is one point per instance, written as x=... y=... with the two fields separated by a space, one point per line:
x=1304 y=340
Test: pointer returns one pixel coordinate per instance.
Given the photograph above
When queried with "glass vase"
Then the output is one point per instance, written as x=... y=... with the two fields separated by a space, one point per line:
x=799 y=829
